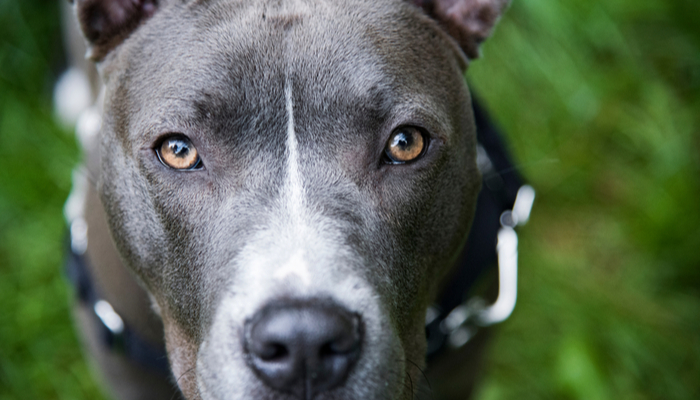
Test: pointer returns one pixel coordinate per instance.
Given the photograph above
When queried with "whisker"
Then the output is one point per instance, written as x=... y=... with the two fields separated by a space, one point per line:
x=411 y=381
x=422 y=373
x=176 y=386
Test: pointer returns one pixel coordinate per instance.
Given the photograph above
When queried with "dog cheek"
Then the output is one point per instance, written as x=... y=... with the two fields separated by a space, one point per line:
x=134 y=227
x=182 y=354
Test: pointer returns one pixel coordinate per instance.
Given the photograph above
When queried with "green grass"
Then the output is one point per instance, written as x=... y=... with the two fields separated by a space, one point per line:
x=39 y=354
x=601 y=104
x=600 y=101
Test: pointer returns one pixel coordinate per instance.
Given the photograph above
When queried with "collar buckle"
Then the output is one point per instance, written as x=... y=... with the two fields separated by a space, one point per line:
x=464 y=321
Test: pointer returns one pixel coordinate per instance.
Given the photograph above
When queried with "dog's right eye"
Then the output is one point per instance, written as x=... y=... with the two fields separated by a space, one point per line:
x=178 y=152
x=406 y=144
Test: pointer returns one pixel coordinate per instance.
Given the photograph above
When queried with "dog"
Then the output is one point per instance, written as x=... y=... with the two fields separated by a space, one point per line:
x=279 y=188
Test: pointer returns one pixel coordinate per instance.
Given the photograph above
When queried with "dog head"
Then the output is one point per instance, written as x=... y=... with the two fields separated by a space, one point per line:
x=289 y=180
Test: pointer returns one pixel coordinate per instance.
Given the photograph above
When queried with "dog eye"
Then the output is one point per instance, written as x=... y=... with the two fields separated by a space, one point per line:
x=178 y=152
x=405 y=145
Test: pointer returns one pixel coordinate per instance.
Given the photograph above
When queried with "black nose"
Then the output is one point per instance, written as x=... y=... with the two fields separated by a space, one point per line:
x=303 y=348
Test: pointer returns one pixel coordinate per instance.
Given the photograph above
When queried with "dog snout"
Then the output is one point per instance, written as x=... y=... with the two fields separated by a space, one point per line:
x=303 y=348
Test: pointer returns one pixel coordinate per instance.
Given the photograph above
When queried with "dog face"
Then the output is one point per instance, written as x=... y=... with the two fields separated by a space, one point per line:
x=289 y=180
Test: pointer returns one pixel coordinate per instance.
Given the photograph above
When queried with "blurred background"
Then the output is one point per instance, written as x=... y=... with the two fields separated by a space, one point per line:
x=600 y=100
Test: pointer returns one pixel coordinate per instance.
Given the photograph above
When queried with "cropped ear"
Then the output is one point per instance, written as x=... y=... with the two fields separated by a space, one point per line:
x=106 y=23
x=469 y=22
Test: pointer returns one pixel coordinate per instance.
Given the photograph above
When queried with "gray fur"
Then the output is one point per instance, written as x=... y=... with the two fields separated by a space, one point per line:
x=215 y=245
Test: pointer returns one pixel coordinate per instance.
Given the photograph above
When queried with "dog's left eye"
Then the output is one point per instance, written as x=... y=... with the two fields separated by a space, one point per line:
x=406 y=144
x=178 y=152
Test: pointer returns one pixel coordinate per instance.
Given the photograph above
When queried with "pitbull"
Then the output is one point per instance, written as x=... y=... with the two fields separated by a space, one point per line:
x=286 y=184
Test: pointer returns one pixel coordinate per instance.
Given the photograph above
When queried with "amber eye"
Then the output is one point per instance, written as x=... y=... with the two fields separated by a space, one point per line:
x=405 y=144
x=178 y=152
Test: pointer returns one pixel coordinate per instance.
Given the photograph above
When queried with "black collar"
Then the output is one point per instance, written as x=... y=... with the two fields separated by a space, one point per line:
x=115 y=334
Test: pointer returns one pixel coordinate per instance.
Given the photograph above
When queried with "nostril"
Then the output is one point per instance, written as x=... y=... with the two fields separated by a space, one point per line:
x=327 y=350
x=347 y=341
x=346 y=344
x=273 y=352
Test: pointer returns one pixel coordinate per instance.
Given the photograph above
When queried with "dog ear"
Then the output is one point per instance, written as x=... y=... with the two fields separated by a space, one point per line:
x=470 y=22
x=106 y=23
